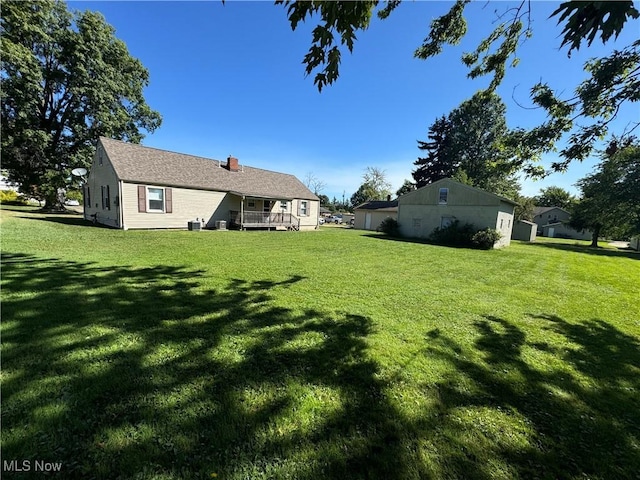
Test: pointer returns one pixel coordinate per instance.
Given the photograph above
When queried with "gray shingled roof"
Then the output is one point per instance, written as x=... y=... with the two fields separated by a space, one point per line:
x=379 y=205
x=540 y=210
x=139 y=164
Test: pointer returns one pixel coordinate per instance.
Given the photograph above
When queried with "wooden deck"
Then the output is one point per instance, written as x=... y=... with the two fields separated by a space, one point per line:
x=277 y=221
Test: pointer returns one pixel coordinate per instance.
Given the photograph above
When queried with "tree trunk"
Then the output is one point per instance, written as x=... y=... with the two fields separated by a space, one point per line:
x=54 y=203
x=594 y=237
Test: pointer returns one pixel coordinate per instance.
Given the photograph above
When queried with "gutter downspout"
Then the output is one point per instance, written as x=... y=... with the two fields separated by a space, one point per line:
x=120 y=209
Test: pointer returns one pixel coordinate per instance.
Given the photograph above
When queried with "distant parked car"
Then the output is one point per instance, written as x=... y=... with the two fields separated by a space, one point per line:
x=335 y=219
x=321 y=221
x=72 y=203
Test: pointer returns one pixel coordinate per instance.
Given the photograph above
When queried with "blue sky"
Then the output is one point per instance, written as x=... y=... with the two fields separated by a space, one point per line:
x=228 y=80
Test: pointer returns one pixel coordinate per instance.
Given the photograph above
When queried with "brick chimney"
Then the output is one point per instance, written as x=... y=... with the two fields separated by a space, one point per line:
x=232 y=164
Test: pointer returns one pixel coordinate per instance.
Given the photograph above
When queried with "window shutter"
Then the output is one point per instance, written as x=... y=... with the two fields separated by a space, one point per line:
x=168 y=201
x=87 y=196
x=102 y=195
x=108 y=200
x=299 y=207
x=142 y=198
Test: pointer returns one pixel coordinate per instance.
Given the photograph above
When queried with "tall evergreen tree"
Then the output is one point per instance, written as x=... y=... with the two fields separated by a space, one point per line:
x=468 y=144
x=439 y=163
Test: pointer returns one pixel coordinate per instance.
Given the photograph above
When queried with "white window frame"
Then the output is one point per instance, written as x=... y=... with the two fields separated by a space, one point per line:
x=284 y=205
x=163 y=200
x=304 y=208
x=251 y=203
x=446 y=196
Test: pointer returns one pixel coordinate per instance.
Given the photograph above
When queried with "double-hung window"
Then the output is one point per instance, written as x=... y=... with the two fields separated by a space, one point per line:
x=155 y=199
x=304 y=208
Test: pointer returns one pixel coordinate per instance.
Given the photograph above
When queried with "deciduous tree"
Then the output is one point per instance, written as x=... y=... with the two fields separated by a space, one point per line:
x=374 y=187
x=613 y=81
x=610 y=202
x=66 y=80
x=313 y=183
x=555 y=197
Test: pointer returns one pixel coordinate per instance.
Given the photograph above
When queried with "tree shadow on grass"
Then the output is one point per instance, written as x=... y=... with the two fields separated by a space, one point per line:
x=141 y=372
x=570 y=413
x=382 y=236
x=587 y=249
x=72 y=219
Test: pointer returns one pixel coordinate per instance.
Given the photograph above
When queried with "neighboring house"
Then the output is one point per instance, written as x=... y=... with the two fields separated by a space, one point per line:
x=369 y=215
x=441 y=203
x=524 y=230
x=546 y=215
x=553 y=222
x=130 y=186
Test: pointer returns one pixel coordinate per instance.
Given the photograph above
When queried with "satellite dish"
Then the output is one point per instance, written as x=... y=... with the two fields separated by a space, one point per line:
x=79 y=172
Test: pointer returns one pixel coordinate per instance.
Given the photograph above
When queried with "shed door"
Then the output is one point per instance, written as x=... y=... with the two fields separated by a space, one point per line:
x=367 y=221
x=552 y=231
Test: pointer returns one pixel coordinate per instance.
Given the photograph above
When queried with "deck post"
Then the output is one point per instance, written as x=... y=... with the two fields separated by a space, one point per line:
x=242 y=213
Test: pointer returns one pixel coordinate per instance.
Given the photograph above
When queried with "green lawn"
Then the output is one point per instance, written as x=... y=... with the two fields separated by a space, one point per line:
x=332 y=354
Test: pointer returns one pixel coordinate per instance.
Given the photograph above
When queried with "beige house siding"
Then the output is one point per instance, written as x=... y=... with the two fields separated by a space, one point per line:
x=193 y=188
x=102 y=175
x=377 y=216
x=309 y=221
x=187 y=205
x=419 y=212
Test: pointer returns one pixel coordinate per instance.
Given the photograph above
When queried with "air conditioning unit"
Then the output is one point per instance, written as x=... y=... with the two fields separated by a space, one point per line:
x=221 y=225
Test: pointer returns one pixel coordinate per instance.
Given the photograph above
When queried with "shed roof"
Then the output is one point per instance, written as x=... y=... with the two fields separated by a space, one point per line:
x=140 y=164
x=391 y=206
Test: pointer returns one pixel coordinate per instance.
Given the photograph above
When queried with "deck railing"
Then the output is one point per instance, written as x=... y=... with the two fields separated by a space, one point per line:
x=263 y=219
